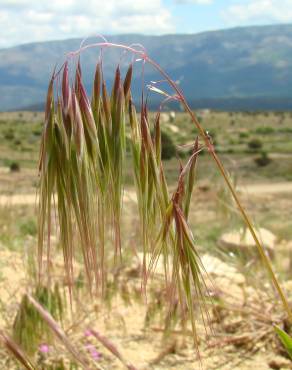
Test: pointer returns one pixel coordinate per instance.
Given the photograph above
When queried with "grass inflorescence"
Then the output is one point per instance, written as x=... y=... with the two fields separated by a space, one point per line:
x=82 y=157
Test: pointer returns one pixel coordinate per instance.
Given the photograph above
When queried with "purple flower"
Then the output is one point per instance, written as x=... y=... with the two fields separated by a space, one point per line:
x=44 y=348
x=95 y=355
x=93 y=351
x=87 y=333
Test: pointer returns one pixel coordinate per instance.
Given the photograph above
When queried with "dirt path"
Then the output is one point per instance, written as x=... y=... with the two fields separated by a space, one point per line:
x=265 y=188
x=18 y=200
x=130 y=196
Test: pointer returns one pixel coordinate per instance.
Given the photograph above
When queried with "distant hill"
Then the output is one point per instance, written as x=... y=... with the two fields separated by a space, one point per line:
x=242 y=68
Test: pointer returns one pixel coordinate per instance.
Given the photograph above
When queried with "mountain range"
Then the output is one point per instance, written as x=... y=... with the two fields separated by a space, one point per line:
x=241 y=68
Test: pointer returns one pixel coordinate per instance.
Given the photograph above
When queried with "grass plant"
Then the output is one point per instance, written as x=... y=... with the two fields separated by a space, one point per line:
x=82 y=161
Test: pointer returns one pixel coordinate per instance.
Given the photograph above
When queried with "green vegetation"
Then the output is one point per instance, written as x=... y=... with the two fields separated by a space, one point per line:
x=14 y=167
x=263 y=160
x=168 y=149
x=255 y=144
x=285 y=339
x=29 y=329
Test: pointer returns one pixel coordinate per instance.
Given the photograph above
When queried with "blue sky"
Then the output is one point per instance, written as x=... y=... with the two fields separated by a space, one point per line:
x=25 y=21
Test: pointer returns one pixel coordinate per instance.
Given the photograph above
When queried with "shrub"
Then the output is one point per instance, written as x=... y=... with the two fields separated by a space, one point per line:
x=37 y=132
x=264 y=130
x=167 y=146
x=285 y=130
x=263 y=159
x=243 y=135
x=17 y=142
x=9 y=135
x=29 y=227
x=14 y=167
x=255 y=144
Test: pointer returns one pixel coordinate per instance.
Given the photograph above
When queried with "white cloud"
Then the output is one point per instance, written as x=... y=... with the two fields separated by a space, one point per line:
x=34 y=20
x=200 y=2
x=259 y=11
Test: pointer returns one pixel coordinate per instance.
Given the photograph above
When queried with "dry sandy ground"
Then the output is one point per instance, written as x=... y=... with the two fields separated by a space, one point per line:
x=253 y=189
x=263 y=189
x=124 y=326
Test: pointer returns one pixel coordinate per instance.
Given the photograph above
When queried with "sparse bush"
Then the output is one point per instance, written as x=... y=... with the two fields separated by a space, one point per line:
x=255 y=144
x=243 y=134
x=200 y=118
x=266 y=130
x=263 y=159
x=285 y=130
x=9 y=135
x=167 y=146
x=29 y=227
x=37 y=132
x=14 y=167
x=17 y=142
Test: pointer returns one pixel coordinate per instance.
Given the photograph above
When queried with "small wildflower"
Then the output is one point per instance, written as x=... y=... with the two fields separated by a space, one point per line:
x=95 y=355
x=93 y=351
x=87 y=333
x=44 y=348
